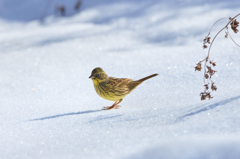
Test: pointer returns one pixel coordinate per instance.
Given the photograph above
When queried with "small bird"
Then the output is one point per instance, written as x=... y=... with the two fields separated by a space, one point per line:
x=114 y=89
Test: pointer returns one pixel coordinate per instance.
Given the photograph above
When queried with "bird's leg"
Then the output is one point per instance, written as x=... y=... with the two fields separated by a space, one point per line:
x=114 y=106
x=111 y=107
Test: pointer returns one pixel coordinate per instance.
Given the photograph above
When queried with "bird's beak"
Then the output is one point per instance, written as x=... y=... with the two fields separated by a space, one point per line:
x=92 y=77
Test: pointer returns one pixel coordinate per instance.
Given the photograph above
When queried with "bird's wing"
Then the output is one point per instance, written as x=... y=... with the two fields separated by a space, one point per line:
x=119 y=83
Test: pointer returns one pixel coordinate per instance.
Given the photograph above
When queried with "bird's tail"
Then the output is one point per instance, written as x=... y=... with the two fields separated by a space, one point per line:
x=146 y=78
x=132 y=85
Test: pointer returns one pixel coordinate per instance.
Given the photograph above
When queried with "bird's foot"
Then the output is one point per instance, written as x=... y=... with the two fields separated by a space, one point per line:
x=111 y=107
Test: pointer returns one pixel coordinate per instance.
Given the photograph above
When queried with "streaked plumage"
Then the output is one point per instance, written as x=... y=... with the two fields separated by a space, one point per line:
x=114 y=89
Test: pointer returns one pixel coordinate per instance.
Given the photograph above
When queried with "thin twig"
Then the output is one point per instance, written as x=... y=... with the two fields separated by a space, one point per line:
x=214 y=24
x=232 y=39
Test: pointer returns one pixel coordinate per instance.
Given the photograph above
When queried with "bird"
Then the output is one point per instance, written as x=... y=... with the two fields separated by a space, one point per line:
x=114 y=89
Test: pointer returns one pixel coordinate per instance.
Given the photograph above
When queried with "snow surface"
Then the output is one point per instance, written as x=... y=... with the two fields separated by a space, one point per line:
x=49 y=108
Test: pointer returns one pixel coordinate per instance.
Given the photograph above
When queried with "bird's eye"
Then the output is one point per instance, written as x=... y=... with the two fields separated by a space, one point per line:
x=98 y=75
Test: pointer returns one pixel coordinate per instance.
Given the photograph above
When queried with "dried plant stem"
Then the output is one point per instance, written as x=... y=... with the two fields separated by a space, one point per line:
x=208 y=64
x=219 y=32
x=214 y=25
x=210 y=46
x=232 y=38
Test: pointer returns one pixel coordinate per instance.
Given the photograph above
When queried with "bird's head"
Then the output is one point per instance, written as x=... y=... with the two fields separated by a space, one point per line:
x=98 y=75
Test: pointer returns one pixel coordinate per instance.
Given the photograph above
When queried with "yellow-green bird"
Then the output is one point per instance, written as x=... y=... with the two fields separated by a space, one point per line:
x=114 y=89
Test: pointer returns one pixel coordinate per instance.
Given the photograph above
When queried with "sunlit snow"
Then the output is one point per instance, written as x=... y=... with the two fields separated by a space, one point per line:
x=49 y=108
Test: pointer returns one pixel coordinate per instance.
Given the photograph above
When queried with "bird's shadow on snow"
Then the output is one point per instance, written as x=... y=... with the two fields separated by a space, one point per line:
x=67 y=114
x=206 y=107
x=102 y=117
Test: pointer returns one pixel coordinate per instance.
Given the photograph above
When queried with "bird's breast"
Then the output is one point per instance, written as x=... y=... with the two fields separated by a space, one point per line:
x=108 y=93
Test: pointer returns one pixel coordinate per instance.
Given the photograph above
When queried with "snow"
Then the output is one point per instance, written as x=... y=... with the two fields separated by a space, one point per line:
x=49 y=108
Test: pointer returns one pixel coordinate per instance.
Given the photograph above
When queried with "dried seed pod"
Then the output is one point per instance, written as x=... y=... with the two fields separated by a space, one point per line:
x=198 y=67
x=205 y=46
x=208 y=40
x=236 y=31
x=210 y=71
x=206 y=86
x=235 y=22
x=203 y=96
x=206 y=76
x=209 y=97
x=226 y=36
x=212 y=63
x=234 y=26
x=213 y=87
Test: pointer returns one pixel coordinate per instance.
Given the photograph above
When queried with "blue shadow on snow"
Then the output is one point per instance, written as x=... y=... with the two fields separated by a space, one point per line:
x=206 y=108
x=67 y=114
